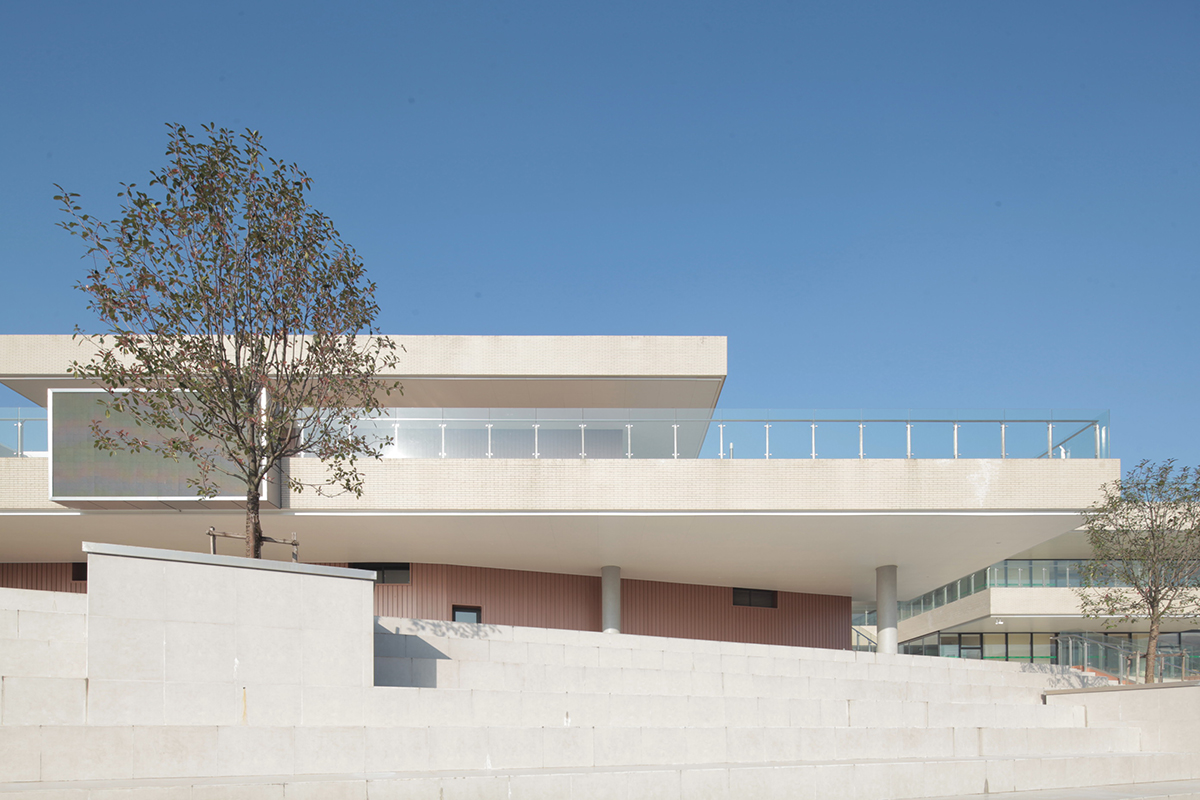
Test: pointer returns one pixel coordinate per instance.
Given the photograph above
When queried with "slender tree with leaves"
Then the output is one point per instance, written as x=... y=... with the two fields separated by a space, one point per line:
x=1145 y=539
x=237 y=325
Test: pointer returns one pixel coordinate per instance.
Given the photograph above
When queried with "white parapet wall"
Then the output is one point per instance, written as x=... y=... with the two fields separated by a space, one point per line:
x=197 y=676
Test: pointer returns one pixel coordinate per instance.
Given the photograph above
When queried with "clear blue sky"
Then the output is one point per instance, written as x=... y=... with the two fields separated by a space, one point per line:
x=881 y=205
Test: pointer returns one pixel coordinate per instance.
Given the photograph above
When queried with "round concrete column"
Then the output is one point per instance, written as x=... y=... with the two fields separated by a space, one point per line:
x=610 y=599
x=886 y=611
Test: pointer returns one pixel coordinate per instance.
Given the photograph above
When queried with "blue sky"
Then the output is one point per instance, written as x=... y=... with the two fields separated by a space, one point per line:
x=881 y=205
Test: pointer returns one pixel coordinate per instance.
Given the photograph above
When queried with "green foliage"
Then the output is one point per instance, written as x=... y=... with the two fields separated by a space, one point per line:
x=237 y=323
x=1145 y=540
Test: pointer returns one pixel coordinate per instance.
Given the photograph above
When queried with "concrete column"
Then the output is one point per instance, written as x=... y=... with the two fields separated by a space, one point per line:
x=887 y=613
x=610 y=599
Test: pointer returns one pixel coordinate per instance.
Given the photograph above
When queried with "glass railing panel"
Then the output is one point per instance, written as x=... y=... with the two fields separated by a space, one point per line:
x=23 y=432
x=409 y=438
x=837 y=434
x=693 y=433
x=512 y=438
x=980 y=439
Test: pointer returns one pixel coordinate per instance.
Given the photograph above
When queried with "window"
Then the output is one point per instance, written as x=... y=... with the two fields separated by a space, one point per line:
x=468 y=614
x=79 y=571
x=388 y=572
x=756 y=598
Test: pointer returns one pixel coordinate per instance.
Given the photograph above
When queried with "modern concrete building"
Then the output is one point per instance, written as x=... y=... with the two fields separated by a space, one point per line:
x=590 y=483
x=570 y=576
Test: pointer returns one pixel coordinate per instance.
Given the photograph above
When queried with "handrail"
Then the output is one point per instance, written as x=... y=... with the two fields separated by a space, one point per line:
x=862 y=641
x=661 y=433
x=1123 y=662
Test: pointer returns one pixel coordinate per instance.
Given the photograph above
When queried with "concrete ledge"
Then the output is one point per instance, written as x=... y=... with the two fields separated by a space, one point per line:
x=155 y=554
x=864 y=779
x=1135 y=688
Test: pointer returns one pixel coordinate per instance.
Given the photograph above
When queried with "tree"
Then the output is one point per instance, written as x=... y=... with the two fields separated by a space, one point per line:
x=237 y=323
x=1145 y=539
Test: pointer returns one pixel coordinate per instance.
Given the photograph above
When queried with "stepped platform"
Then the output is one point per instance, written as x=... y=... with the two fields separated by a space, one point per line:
x=152 y=709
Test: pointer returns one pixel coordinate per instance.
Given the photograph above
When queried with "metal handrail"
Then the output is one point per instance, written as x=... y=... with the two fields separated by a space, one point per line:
x=1123 y=661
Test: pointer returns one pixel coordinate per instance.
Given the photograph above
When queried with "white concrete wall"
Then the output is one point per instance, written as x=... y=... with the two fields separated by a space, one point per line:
x=37 y=355
x=718 y=485
x=215 y=674
x=1166 y=715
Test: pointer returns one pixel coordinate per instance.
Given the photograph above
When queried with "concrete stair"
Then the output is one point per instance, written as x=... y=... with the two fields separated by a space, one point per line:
x=510 y=712
x=743 y=714
x=43 y=655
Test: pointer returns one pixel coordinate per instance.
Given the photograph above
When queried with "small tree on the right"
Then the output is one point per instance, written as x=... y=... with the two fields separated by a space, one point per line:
x=1145 y=539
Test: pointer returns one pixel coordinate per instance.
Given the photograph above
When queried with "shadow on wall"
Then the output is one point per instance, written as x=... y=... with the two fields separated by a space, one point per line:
x=1064 y=678
x=445 y=630
x=411 y=658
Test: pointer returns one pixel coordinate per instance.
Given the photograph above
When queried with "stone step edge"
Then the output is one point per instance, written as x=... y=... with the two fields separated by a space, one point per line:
x=464 y=631
x=566 y=771
x=1152 y=790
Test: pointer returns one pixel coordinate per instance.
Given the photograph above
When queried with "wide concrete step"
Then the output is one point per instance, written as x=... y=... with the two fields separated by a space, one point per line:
x=463 y=642
x=38 y=600
x=47 y=753
x=500 y=707
x=1145 y=775
x=41 y=658
x=491 y=675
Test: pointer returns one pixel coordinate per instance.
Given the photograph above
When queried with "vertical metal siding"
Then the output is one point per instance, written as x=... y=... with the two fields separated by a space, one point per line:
x=707 y=612
x=506 y=596
x=47 y=577
x=545 y=600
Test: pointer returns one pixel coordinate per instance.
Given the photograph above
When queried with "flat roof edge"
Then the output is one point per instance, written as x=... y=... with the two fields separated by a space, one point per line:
x=155 y=554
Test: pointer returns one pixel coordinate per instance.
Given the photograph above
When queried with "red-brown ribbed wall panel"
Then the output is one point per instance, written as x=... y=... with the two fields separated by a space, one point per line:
x=707 y=612
x=47 y=577
x=506 y=596
x=544 y=600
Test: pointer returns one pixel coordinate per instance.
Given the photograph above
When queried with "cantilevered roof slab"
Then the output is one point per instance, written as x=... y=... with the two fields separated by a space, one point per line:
x=475 y=371
x=802 y=525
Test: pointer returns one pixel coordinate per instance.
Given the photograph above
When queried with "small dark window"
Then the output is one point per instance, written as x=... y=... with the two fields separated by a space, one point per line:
x=468 y=614
x=387 y=571
x=756 y=598
x=79 y=571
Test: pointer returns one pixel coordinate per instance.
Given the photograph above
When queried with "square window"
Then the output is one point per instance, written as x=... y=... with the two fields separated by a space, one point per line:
x=468 y=614
x=79 y=571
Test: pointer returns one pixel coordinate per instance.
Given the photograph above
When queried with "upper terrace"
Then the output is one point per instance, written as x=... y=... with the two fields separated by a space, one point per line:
x=563 y=454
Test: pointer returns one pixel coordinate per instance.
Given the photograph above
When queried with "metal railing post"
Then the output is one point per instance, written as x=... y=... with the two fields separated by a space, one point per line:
x=814 y=440
x=721 y=444
x=629 y=441
x=1096 y=428
x=1003 y=445
x=582 y=443
x=908 y=435
x=536 y=454
x=489 y=450
x=860 y=440
x=442 y=425
x=767 y=427
x=956 y=440
x=675 y=426
x=1049 y=440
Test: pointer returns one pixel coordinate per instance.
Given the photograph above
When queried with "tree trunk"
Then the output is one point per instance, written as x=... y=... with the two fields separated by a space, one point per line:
x=1152 y=650
x=253 y=525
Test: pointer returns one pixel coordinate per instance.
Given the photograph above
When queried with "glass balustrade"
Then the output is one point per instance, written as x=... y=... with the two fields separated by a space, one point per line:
x=695 y=433
x=23 y=432
x=1010 y=573
x=724 y=433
